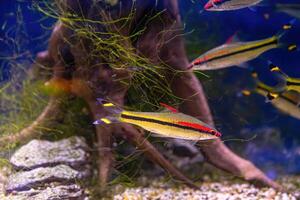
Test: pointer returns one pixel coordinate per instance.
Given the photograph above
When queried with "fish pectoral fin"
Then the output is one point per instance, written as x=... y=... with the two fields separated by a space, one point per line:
x=246 y=92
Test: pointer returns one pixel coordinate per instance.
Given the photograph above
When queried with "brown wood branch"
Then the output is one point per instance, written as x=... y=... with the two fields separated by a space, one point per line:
x=168 y=48
x=135 y=137
x=104 y=137
x=50 y=113
x=51 y=59
x=116 y=94
x=106 y=157
x=186 y=86
x=163 y=44
x=221 y=157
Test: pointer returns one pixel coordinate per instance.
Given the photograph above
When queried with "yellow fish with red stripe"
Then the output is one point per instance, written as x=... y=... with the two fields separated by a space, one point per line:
x=288 y=83
x=171 y=123
x=236 y=53
x=287 y=102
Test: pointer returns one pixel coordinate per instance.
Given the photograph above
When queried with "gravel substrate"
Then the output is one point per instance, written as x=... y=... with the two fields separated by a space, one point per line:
x=225 y=190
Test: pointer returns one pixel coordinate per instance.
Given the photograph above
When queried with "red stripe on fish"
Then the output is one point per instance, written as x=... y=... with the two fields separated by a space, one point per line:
x=200 y=127
x=194 y=125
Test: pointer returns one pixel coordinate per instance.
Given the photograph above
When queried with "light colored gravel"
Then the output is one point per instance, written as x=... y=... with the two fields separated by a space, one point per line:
x=208 y=191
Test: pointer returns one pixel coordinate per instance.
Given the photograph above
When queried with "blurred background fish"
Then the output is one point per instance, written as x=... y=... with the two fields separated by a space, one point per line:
x=224 y=5
x=287 y=102
x=235 y=53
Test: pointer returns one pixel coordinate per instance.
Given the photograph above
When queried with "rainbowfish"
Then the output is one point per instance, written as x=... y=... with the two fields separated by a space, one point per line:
x=288 y=83
x=287 y=102
x=224 y=5
x=171 y=123
x=290 y=9
x=236 y=53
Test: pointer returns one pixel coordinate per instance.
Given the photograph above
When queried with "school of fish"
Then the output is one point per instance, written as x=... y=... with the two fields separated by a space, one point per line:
x=285 y=96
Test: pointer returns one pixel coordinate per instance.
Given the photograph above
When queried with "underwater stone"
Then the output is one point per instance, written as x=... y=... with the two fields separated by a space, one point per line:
x=26 y=180
x=40 y=153
x=72 y=191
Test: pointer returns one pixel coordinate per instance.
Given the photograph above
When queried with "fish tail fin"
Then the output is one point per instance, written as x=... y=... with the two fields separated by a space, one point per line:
x=246 y=92
x=113 y=113
x=280 y=87
x=257 y=81
x=280 y=35
x=272 y=92
x=254 y=75
x=286 y=28
x=271 y=96
x=275 y=68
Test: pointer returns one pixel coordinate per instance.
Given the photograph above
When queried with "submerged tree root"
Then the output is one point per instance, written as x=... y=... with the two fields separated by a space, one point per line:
x=50 y=113
x=137 y=139
x=162 y=44
x=216 y=153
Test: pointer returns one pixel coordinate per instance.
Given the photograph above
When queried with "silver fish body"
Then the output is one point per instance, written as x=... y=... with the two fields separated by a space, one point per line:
x=233 y=54
x=287 y=102
x=224 y=5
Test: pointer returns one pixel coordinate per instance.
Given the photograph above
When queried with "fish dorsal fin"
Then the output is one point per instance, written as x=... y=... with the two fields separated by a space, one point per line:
x=233 y=39
x=169 y=108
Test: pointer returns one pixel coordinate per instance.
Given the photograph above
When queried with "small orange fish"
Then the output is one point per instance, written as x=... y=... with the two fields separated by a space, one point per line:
x=57 y=86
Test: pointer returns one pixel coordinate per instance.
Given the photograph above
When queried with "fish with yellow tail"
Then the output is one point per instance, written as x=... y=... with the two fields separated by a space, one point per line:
x=235 y=53
x=288 y=83
x=287 y=102
x=170 y=123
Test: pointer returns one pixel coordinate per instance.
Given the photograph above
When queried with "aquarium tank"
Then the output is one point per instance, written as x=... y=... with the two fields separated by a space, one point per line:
x=150 y=99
